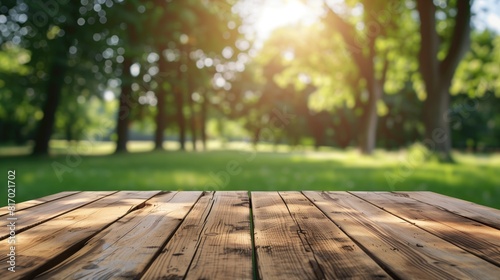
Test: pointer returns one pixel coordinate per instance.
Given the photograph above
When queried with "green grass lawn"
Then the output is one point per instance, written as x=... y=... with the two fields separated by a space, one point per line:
x=237 y=167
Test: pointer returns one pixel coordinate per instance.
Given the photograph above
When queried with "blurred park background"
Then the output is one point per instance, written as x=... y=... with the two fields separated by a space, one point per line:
x=251 y=94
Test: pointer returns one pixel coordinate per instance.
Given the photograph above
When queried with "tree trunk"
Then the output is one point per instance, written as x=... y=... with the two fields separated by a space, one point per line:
x=192 y=119
x=160 y=119
x=57 y=72
x=256 y=136
x=368 y=129
x=203 y=117
x=125 y=102
x=125 y=107
x=46 y=126
x=438 y=74
x=437 y=128
x=369 y=120
x=160 y=106
x=181 y=121
x=365 y=62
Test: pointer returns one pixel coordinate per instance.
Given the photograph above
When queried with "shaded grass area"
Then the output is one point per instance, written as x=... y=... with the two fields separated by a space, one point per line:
x=473 y=178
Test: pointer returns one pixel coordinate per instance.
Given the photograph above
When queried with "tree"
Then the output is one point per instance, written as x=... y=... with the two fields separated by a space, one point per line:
x=57 y=68
x=438 y=59
x=377 y=20
x=64 y=43
x=132 y=36
x=19 y=107
x=195 y=32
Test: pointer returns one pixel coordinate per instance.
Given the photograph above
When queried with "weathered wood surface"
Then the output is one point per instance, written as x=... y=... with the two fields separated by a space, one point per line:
x=34 y=202
x=39 y=213
x=470 y=210
x=116 y=250
x=295 y=240
x=262 y=235
x=55 y=239
x=399 y=245
x=467 y=234
x=225 y=245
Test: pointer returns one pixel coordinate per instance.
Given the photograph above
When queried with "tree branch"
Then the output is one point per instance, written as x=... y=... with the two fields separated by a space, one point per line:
x=460 y=40
x=429 y=45
x=348 y=32
x=385 y=68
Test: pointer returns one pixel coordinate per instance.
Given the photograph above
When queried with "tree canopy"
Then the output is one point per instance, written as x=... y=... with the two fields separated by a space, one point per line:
x=362 y=73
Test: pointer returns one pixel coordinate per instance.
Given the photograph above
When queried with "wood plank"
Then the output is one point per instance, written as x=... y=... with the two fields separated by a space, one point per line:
x=336 y=254
x=486 y=215
x=279 y=247
x=225 y=246
x=30 y=203
x=174 y=260
x=476 y=238
x=45 y=211
x=42 y=245
x=404 y=249
x=124 y=249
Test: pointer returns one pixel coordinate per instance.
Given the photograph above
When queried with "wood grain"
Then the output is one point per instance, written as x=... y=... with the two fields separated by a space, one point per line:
x=30 y=203
x=43 y=212
x=467 y=234
x=174 y=260
x=405 y=250
x=206 y=235
x=279 y=246
x=336 y=254
x=124 y=249
x=488 y=216
x=45 y=244
x=225 y=246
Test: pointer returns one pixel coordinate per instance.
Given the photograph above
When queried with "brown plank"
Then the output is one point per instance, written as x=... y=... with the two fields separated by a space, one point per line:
x=404 y=249
x=225 y=246
x=174 y=260
x=476 y=238
x=43 y=212
x=124 y=249
x=279 y=247
x=337 y=256
x=480 y=213
x=30 y=203
x=62 y=235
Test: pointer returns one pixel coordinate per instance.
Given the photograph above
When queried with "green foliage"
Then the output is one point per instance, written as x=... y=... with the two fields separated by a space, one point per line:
x=85 y=118
x=478 y=72
x=475 y=122
x=306 y=69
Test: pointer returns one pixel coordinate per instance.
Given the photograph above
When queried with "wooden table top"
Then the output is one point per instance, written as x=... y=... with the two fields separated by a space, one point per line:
x=266 y=235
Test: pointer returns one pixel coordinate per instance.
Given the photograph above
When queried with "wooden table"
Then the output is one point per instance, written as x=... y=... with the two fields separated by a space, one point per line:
x=267 y=235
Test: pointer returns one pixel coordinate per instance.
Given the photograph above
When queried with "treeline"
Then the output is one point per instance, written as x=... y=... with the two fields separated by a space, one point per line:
x=366 y=74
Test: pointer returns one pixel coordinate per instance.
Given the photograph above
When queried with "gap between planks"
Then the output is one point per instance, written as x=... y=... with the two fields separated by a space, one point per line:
x=213 y=242
x=114 y=251
x=43 y=212
x=303 y=228
x=39 y=201
x=483 y=214
x=474 y=237
x=403 y=248
x=295 y=240
x=44 y=247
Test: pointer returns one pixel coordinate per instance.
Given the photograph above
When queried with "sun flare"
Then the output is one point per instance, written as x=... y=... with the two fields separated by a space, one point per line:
x=277 y=13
